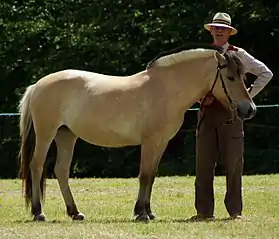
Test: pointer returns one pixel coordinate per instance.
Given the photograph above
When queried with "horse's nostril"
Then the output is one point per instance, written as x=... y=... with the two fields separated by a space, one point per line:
x=246 y=113
x=252 y=111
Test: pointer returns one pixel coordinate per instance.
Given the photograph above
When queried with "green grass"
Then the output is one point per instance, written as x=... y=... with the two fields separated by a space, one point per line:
x=108 y=205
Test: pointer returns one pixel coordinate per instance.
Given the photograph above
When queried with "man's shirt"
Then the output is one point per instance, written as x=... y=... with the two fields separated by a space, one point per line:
x=253 y=66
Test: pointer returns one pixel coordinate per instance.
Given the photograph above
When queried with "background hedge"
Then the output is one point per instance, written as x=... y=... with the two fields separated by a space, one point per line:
x=119 y=38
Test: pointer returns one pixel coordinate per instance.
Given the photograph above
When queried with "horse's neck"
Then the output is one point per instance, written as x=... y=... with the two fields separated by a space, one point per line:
x=190 y=81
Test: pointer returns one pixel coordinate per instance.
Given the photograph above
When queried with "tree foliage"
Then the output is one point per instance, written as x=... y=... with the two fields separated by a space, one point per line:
x=119 y=38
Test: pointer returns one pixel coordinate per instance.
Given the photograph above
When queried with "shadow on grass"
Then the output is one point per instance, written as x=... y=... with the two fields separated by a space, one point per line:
x=227 y=219
x=124 y=221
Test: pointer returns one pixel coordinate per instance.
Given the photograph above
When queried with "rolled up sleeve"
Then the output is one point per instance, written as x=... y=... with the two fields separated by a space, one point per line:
x=257 y=68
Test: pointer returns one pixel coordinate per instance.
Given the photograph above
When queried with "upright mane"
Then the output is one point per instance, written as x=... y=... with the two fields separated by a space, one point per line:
x=235 y=64
x=181 y=53
x=190 y=51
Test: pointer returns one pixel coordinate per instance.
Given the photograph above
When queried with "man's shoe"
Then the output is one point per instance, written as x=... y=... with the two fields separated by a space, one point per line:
x=235 y=217
x=200 y=218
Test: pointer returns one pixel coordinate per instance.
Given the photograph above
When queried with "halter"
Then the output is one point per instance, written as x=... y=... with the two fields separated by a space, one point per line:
x=232 y=104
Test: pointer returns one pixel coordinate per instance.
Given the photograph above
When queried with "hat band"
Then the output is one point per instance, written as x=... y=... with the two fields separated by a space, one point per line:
x=221 y=21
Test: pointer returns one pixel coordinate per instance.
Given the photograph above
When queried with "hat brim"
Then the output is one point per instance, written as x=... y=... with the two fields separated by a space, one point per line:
x=208 y=25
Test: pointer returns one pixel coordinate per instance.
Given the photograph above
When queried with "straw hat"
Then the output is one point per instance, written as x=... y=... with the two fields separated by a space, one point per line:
x=221 y=20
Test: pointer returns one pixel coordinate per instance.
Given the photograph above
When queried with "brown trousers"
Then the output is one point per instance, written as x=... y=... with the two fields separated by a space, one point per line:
x=225 y=142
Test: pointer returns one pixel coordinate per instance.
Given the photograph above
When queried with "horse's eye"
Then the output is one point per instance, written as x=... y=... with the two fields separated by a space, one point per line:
x=230 y=78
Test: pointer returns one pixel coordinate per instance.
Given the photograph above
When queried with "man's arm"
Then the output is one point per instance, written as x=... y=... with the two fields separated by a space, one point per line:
x=258 y=68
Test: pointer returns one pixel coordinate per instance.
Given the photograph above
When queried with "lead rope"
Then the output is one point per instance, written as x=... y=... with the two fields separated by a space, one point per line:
x=203 y=107
x=232 y=104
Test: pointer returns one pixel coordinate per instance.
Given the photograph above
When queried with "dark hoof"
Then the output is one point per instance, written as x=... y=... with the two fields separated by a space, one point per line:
x=142 y=218
x=151 y=215
x=78 y=217
x=39 y=218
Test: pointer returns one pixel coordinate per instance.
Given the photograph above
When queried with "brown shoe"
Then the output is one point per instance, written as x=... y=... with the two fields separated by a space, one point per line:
x=200 y=217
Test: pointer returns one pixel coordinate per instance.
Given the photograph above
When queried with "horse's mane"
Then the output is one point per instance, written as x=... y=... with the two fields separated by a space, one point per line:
x=233 y=61
x=185 y=47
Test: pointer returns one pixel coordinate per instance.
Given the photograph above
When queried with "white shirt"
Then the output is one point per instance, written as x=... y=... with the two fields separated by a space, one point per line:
x=254 y=67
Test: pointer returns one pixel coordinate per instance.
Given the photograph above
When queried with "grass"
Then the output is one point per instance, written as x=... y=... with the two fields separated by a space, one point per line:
x=108 y=205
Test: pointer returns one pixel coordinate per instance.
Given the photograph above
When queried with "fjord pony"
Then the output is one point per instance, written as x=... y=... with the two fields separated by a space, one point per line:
x=145 y=109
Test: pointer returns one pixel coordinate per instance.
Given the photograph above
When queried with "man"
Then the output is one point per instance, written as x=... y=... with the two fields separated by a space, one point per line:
x=215 y=139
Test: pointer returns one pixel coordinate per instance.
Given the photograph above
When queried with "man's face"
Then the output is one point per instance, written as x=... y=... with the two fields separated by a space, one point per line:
x=220 y=35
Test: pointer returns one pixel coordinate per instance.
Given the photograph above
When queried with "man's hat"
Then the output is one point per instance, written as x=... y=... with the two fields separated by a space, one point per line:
x=221 y=20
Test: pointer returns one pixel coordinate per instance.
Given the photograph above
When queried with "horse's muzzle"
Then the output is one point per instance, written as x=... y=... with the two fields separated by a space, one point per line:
x=246 y=111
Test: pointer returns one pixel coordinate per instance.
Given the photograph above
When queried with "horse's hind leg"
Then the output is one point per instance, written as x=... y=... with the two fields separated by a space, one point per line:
x=151 y=153
x=37 y=167
x=65 y=141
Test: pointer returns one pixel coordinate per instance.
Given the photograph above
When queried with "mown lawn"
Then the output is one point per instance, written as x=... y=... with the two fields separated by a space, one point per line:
x=108 y=205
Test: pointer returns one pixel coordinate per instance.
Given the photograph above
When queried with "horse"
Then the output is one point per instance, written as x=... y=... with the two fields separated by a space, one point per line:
x=145 y=108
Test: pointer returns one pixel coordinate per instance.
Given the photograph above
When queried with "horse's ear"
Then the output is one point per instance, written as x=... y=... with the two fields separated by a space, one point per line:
x=219 y=58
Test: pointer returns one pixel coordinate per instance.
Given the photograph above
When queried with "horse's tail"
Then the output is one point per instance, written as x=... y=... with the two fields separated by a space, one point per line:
x=27 y=138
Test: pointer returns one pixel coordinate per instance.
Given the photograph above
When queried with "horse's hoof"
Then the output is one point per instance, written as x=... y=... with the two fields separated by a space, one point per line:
x=78 y=217
x=151 y=216
x=142 y=218
x=39 y=218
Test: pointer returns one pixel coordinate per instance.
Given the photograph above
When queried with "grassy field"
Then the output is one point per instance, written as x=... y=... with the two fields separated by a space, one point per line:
x=108 y=204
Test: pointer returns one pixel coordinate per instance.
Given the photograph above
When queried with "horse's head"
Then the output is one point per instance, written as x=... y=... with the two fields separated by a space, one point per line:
x=230 y=89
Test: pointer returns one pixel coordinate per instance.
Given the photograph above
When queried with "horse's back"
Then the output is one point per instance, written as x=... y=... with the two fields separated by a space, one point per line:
x=108 y=107
x=70 y=75
x=93 y=80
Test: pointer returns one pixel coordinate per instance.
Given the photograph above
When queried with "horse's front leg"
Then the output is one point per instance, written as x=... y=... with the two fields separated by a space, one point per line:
x=151 y=153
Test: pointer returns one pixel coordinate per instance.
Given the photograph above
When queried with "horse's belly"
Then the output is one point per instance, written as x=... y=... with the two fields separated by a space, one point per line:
x=109 y=135
x=108 y=139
